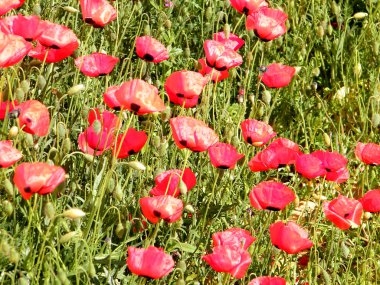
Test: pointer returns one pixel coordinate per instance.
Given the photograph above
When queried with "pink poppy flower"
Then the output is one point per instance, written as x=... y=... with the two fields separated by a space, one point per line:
x=109 y=98
x=96 y=64
x=9 y=154
x=151 y=50
x=7 y=5
x=130 y=143
x=267 y=280
x=256 y=132
x=164 y=207
x=219 y=57
x=234 y=237
x=223 y=155
x=97 y=13
x=371 y=201
x=368 y=153
x=247 y=7
x=232 y=42
x=212 y=73
x=12 y=49
x=27 y=27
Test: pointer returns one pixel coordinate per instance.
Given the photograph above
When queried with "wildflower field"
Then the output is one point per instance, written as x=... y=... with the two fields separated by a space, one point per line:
x=189 y=142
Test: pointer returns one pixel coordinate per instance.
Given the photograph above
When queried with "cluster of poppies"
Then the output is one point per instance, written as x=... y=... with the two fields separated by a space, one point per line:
x=52 y=42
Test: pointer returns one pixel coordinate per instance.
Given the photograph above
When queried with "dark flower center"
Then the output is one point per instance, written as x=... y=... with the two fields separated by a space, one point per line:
x=92 y=23
x=135 y=107
x=245 y=10
x=130 y=152
x=157 y=213
x=272 y=208
x=179 y=95
x=223 y=68
x=28 y=190
x=346 y=215
x=249 y=140
x=117 y=108
x=223 y=167
x=183 y=142
x=148 y=57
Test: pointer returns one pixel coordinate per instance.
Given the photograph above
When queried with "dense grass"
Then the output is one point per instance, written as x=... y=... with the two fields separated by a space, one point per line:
x=327 y=44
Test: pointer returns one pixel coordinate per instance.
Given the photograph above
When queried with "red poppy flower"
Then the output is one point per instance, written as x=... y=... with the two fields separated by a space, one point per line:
x=163 y=207
x=37 y=177
x=55 y=43
x=235 y=237
x=9 y=154
x=7 y=107
x=224 y=155
x=140 y=97
x=100 y=135
x=109 y=98
x=368 y=153
x=96 y=64
x=277 y=75
x=152 y=262
x=230 y=259
x=331 y=165
x=271 y=195
x=130 y=143
x=185 y=86
x=211 y=73
x=279 y=152
x=267 y=23
x=248 y=6
x=12 y=49
x=343 y=212
x=371 y=201
x=192 y=134
x=7 y=5
x=34 y=117
x=289 y=237
x=84 y=146
x=23 y=26
x=267 y=280
x=168 y=182
x=233 y=42
x=256 y=132
x=220 y=57
x=97 y=13
x=150 y=49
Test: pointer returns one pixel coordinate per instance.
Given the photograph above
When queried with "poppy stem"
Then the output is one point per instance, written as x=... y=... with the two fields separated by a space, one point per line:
x=209 y=201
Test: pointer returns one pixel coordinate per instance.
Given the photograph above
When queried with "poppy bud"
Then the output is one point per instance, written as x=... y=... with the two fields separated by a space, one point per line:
x=20 y=94
x=5 y=248
x=61 y=129
x=67 y=237
x=13 y=132
x=29 y=140
x=326 y=139
x=360 y=15
x=70 y=9
x=49 y=210
x=375 y=47
x=227 y=31
x=91 y=270
x=266 y=97
x=182 y=265
x=37 y=9
x=182 y=187
x=345 y=250
x=136 y=165
x=147 y=29
x=325 y=274
x=14 y=256
x=74 y=213
x=66 y=146
x=76 y=89
x=8 y=187
x=358 y=70
x=7 y=208
x=189 y=208
x=329 y=30
x=23 y=281
x=118 y=193
x=25 y=85
x=120 y=230
x=187 y=53
x=41 y=82
x=335 y=8
x=168 y=24
x=320 y=31
x=181 y=282
x=209 y=13
x=63 y=277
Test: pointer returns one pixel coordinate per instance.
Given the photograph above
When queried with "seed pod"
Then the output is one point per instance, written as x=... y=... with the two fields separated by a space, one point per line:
x=49 y=210
x=74 y=213
x=7 y=208
x=8 y=187
x=20 y=94
x=14 y=256
x=41 y=82
x=76 y=89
